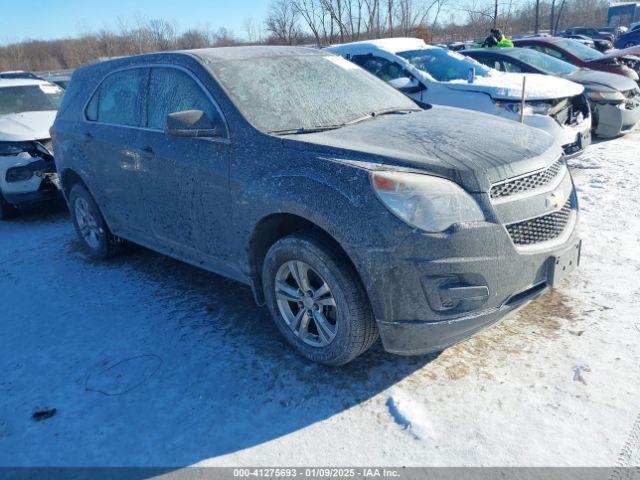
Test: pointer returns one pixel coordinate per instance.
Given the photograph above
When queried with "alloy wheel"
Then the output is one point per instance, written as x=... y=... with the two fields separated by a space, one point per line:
x=306 y=303
x=87 y=224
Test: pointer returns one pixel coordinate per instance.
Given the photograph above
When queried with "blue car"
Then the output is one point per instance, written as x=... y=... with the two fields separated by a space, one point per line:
x=629 y=39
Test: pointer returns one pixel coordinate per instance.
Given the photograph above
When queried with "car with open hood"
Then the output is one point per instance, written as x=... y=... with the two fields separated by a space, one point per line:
x=27 y=171
x=614 y=99
x=584 y=57
x=435 y=76
x=350 y=211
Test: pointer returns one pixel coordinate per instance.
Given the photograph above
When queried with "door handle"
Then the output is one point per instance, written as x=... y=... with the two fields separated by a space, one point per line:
x=87 y=137
x=147 y=150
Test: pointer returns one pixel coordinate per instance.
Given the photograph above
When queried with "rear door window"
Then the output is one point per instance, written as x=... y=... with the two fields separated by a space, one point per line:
x=172 y=90
x=120 y=99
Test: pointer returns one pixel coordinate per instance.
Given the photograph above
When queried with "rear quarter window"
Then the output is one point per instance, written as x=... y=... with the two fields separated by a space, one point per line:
x=119 y=100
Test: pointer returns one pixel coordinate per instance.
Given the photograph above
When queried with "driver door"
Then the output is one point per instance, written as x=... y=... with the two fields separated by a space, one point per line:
x=187 y=192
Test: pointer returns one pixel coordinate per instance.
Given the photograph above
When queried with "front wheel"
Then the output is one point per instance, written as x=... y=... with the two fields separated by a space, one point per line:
x=316 y=300
x=6 y=209
x=90 y=225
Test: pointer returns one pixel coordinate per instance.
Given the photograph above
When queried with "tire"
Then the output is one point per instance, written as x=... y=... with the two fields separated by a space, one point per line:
x=6 y=209
x=349 y=326
x=99 y=242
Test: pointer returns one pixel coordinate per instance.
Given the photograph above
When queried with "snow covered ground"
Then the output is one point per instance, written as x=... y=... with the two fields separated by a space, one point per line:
x=148 y=361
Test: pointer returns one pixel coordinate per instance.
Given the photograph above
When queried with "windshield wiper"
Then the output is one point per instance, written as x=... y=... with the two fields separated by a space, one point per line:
x=379 y=113
x=303 y=130
x=324 y=128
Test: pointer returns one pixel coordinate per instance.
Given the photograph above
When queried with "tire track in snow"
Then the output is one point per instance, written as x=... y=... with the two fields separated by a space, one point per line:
x=629 y=456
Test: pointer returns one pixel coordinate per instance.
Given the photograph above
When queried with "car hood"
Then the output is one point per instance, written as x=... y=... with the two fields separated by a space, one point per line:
x=508 y=86
x=604 y=79
x=635 y=51
x=613 y=54
x=17 y=127
x=470 y=148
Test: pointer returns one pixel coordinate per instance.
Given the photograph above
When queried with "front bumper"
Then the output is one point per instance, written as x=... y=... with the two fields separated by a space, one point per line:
x=573 y=138
x=41 y=186
x=48 y=190
x=540 y=272
x=430 y=291
x=613 y=120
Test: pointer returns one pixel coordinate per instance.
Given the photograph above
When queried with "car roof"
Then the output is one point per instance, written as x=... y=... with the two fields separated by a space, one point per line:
x=203 y=55
x=250 y=52
x=495 y=51
x=391 y=45
x=21 y=82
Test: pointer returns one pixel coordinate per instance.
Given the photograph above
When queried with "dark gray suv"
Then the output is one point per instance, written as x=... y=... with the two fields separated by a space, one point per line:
x=350 y=211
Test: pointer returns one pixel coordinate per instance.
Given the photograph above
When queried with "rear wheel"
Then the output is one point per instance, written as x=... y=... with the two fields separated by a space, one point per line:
x=90 y=226
x=316 y=300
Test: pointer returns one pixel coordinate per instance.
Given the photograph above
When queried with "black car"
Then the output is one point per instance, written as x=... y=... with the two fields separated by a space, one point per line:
x=349 y=211
x=598 y=44
x=614 y=99
x=588 y=32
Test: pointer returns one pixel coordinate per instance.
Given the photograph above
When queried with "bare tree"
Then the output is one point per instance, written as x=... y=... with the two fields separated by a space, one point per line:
x=252 y=31
x=282 y=21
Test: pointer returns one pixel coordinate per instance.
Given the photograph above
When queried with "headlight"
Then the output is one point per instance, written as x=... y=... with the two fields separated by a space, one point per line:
x=18 y=174
x=530 y=108
x=613 y=97
x=429 y=203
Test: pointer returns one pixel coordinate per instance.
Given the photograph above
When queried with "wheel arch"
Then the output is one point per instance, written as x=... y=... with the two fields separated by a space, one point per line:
x=276 y=226
x=69 y=178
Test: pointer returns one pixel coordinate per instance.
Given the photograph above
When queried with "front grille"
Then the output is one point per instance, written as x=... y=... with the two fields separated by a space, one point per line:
x=526 y=183
x=541 y=229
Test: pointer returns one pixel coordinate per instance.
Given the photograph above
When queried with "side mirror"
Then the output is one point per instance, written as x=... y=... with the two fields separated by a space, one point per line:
x=406 y=84
x=191 y=123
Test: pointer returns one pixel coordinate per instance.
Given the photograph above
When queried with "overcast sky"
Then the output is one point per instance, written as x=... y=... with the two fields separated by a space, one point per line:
x=48 y=19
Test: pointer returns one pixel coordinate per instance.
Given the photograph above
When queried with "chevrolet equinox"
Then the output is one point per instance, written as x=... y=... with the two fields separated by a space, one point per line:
x=350 y=212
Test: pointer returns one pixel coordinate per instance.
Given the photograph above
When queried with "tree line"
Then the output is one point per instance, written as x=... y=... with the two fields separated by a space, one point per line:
x=314 y=22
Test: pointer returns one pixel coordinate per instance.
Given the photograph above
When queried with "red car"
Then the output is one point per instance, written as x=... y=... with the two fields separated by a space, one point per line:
x=580 y=55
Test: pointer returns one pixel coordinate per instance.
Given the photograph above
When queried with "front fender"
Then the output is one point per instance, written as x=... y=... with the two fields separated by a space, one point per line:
x=336 y=198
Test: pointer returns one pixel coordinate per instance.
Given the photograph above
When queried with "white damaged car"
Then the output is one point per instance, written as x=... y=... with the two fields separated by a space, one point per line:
x=433 y=75
x=27 y=171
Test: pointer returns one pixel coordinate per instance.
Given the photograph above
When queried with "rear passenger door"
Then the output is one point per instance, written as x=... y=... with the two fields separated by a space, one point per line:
x=115 y=116
x=187 y=192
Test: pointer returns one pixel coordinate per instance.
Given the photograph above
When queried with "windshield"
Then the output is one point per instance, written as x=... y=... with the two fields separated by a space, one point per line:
x=296 y=92
x=579 y=49
x=29 y=98
x=546 y=63
x=443 y=65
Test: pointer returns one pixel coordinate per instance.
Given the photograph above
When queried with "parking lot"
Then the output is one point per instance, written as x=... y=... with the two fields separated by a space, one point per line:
x=148 y=361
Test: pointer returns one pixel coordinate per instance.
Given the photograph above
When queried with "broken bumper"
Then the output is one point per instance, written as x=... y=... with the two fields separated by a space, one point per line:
x=37 y=182
x=573 y=138
x=47 y=191
x=614 y=120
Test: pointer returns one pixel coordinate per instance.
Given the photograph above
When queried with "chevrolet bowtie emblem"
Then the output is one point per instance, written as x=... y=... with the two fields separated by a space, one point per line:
x=553 y=201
